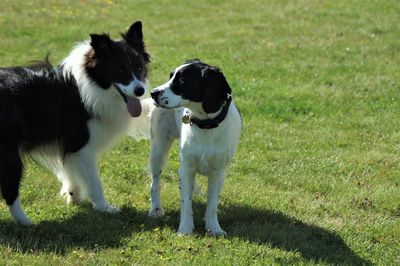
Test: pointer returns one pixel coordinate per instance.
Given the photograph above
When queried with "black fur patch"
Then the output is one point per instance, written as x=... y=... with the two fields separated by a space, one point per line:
x=200 y=82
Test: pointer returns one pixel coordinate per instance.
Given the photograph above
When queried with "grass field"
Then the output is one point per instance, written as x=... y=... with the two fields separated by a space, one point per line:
x=317 y=176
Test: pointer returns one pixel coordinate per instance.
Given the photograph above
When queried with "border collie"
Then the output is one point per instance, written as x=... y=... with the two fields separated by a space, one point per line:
x=66 y=116
x=197 y=108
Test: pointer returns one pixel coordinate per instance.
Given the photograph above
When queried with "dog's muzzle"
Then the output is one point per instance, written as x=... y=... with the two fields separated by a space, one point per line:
x=155 y=95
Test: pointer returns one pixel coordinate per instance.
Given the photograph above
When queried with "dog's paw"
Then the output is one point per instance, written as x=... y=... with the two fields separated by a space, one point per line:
x=218 y=232
x=185 y=229
x=18 y=214
x=183 y=232
x=157 y=212
x=214 y=229
x=112 y=210
x=108 y=209
x=73 y=198
x=22 y=220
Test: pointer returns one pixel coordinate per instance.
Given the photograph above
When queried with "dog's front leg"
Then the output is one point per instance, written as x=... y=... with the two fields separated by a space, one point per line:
x=82 y=166
x=215 y=183
x=186 y=180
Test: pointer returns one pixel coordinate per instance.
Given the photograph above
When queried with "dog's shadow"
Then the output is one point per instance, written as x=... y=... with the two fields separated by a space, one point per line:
x=267 y=227
x=90 y=230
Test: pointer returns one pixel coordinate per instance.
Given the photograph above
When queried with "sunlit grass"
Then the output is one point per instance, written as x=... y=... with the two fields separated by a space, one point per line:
x=316 y=179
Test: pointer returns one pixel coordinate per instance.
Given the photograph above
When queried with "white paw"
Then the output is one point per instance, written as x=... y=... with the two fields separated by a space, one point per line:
x=185 y=229
x=18 y=214
x=216 y=232
x=23 y=220
x=157 y=212
x=112 y=210
x=214 y=229
x=108 y=209
x=72 y=195
x=73 y=198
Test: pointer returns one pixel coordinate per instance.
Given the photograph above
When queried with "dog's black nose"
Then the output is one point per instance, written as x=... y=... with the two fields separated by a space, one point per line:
x=154 y=94
x=139 y=91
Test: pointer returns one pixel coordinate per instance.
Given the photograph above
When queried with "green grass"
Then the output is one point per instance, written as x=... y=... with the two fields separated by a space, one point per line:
x=317 y=177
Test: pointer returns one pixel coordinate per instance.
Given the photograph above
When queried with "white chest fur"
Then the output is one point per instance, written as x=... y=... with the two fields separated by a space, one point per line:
x=209 y=150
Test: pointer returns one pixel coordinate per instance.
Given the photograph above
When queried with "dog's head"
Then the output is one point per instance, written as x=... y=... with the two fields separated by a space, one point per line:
x=193 y=82
x=121 y=64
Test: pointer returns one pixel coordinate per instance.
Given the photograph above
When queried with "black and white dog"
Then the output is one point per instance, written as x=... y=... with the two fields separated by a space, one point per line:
x=65 y=116
x=197 y=108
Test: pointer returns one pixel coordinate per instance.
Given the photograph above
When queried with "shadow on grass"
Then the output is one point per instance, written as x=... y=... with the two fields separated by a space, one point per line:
x=92 y=230
x=267 y=227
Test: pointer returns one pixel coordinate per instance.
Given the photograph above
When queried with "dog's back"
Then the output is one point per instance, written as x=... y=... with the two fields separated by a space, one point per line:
x=37 y=103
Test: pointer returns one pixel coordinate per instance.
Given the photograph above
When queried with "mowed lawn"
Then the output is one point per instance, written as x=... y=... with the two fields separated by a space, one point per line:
x=316 y=179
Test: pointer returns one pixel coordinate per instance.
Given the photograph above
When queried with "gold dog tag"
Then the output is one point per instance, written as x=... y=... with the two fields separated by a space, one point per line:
x=186 y=119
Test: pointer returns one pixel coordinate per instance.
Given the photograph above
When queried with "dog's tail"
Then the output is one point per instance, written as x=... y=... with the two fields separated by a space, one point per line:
x=140 y=126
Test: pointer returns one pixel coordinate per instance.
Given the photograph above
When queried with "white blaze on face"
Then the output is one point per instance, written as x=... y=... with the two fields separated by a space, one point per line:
x=166 y=97
x=133 y=90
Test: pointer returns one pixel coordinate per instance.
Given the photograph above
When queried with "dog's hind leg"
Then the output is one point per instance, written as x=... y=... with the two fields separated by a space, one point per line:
x=160 y=145
x=11 y=169
x=215 y=183
x=163 y=132
x=186 y=179
x=11 y=166
x=18 y=214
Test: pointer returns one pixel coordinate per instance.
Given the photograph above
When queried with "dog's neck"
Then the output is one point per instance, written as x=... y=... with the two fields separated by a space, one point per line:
x=203 y=120
x=196 y=110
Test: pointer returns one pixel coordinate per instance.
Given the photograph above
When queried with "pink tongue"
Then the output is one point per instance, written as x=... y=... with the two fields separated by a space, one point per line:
x=134 y=106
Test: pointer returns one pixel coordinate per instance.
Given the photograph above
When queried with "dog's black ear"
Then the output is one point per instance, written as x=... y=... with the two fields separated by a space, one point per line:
x=101 y=43
x=134 y=37
x=216 y=89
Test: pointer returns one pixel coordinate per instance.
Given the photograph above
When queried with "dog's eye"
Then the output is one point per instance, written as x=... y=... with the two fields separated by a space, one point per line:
x=140 y=69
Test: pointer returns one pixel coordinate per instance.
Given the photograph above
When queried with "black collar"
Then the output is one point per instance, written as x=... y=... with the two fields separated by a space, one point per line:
x=212 y=122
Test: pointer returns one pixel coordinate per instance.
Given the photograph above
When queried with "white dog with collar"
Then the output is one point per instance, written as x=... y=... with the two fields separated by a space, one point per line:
x=197 y=108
